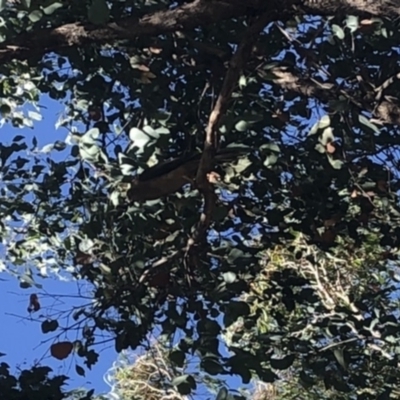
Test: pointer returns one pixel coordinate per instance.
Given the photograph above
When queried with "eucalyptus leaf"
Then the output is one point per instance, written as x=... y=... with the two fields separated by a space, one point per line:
x=338 y=31
x=35 y=15
x=363 y=120
x=51 y=8
x=98 y=12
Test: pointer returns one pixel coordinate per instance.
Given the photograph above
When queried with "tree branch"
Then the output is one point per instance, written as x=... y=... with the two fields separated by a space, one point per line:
x=188 y=16
x=236 y=65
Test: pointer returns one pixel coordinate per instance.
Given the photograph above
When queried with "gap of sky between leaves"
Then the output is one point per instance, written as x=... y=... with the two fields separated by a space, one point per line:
x=21 y=338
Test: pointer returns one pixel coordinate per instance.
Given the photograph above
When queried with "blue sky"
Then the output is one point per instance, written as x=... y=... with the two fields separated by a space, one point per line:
x=21 y=338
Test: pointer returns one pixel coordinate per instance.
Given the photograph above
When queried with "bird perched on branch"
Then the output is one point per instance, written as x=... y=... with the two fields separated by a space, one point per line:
x=168 y=177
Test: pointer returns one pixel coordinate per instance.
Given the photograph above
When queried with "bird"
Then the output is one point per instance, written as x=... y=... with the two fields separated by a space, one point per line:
x=168 y=177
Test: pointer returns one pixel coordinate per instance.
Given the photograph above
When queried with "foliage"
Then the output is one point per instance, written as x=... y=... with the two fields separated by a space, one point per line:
x=36 y=384
x=323 y=321
x=157 y=373
x=298 y=250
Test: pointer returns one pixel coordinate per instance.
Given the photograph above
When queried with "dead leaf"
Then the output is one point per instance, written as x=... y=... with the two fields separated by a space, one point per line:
x=95 y=115
x=83 y=258
x=61 y=350
x=159 y=280
x=354 y=194
x=34 y=304
x=382 y=185
x=363 y=219
x=155 y=50
x=328 y=237
x=283 y=116
x=330 y=222
x=142 y=67
x=367 y=22
x=213 y=177
x=330 y=148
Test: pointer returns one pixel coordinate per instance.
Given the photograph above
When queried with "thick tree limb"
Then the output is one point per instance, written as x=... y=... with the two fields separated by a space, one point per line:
x=188 y=16
x=382 y=8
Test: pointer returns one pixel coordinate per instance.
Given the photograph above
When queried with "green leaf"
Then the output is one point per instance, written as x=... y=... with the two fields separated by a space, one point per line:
x=212 y=366
x=363 y=120
x=91 y=136
x=59 y=145
x=242 y=81
x=35 y=15
x=270 y=147
x=49 y=326
x=180 y=379
x=267 y=375
x=222 y=394
x=339 y=355
x=52 y=7
x=89 y=153
x=270 y=160
x=20 y=162
x=320 y=148
x=177 y=357
x=140 y=138
x=75 y=151
x=282 y=363
x=243 y=371
x=150 y=131
x=209 y=327
x=242 y=126
x=2 y=4
x=48 y=148
x=352 y=23
x=184 y=389
x=229 y=277
x=79 y=370
x=26 y=282
x=327 y=136
x=324 y=122
x=34 y=115
x=98 y=13
x=91 y=358
x=26 y=3
x=5 y=109
x=338 y=31
x=336 y=164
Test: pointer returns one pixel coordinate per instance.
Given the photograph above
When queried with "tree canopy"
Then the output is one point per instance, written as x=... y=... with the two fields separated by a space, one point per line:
x=278 y=266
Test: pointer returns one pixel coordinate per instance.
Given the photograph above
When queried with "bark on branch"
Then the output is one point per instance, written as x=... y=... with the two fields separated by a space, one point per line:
x=211 y=141
x=188 y=16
